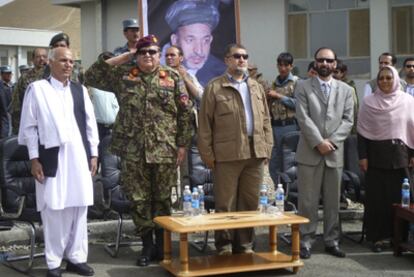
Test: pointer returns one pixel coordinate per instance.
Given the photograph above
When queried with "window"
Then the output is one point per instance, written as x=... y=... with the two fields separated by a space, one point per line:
x=359 y=41
x=297 y=35
x=340 y=24
x=330 y=35
x=403 y=30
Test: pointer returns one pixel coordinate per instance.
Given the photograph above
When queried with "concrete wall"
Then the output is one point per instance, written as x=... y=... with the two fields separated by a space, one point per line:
x=115 y=13
x=380 y=31
x=263 y=25
x=91 y=32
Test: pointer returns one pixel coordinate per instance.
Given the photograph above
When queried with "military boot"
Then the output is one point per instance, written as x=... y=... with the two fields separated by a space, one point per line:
x=148 y=251
x=159 y=243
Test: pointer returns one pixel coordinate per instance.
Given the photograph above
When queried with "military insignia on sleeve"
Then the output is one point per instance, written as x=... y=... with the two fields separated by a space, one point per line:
x=184 y=99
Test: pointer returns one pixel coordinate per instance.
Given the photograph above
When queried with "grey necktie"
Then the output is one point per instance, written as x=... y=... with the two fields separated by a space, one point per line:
x=325 y=90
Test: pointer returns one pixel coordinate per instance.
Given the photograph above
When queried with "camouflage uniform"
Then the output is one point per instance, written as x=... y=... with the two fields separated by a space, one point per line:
x=282 y=112
x=151 y=123
x=29 y=77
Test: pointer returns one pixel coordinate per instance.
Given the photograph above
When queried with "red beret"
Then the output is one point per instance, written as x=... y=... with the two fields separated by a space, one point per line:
x=146 y=41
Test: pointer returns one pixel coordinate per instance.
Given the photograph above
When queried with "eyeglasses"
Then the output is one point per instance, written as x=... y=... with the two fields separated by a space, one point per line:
x=409 y=65
x=143 y=52
x=238 y=56
x=322 y=60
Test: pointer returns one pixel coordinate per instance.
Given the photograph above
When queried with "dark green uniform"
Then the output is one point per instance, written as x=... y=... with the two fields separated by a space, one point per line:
x=151 y=124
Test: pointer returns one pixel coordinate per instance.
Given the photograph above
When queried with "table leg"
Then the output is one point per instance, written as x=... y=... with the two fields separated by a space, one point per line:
x=295 y=242
x=397 y=232
x=273 y=239
x=184 y=252
x=167 y=247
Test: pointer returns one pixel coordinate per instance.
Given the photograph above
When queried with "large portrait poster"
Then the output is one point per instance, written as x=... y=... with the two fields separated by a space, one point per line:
x=202 y=28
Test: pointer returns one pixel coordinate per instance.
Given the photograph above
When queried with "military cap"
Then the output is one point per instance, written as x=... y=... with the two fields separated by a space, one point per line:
x=23 y=67
x=186 y=12
x=146 y=41
x=59 y=37
x=130 y=23
x=6 y=69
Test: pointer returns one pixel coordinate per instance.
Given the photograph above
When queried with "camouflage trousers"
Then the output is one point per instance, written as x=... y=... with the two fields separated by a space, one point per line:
x=148 y=187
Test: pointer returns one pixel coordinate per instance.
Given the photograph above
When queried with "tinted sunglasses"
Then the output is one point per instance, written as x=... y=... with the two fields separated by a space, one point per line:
x=237 y=56
x=322 y=60
x=409 y=65
x=143 y=52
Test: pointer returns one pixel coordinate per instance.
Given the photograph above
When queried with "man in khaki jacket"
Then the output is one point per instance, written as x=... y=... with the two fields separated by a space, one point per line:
x=235 y=139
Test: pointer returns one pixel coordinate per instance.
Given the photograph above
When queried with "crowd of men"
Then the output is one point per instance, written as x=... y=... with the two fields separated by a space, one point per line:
x=238 y=118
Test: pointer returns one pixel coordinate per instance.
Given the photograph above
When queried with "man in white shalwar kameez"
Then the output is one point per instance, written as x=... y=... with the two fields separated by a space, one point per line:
x=56 y=115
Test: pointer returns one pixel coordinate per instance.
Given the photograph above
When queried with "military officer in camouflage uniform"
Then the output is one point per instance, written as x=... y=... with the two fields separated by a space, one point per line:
x=150 y=135
x=41 y=70
x=282 y=110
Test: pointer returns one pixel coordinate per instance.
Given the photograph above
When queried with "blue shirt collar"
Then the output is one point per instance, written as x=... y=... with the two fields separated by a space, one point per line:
x=232 y=80
x=289 y=78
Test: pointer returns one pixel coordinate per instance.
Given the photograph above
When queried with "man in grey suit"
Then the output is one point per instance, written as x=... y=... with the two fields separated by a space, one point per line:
x=324 y=110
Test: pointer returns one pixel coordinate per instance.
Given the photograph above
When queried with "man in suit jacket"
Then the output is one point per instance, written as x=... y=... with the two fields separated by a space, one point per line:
x=324 y=111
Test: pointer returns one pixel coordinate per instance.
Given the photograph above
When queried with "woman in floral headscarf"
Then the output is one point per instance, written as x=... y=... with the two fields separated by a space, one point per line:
x=385 y=144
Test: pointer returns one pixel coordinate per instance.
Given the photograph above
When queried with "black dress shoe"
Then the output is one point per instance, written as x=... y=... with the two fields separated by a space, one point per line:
x=148 y=254
x=335 y=251
x=305 y=253
x=56 y=272
x=81 y=269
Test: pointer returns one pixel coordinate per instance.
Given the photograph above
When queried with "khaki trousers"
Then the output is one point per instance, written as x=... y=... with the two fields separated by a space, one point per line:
x=236 y=188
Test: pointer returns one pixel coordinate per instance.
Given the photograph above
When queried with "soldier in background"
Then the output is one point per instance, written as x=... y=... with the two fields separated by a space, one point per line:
x=6 y=89
x=131 y=33
x=23 y=69
x=255 y=74
x=36 y=73
x=281 y=100
x=174 y=58
x=340 y=73
x=40 y=71
x=150 y=135
x=311 y=70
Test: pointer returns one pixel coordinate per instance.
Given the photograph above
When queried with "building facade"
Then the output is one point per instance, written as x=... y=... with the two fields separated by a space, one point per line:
x=358 y=30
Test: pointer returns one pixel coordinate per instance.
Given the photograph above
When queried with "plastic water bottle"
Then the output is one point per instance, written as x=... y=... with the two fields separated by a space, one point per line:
x=4 y=256
x=195 y=202
x=405 y=194
x=280 y=198
x=201 y=198
x=187 y=201
x=263 y=199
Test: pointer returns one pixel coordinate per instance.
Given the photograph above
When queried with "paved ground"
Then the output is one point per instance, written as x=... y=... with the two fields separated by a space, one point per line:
x=360 y=260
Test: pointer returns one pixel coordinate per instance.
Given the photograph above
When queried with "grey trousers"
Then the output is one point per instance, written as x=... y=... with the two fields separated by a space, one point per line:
x=314 y=181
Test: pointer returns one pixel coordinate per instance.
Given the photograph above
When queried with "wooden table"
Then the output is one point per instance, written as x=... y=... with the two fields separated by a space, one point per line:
x=401 y=217
x=212 y=265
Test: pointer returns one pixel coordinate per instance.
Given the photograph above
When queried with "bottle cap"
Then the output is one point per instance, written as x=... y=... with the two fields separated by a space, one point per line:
x=405 y=180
